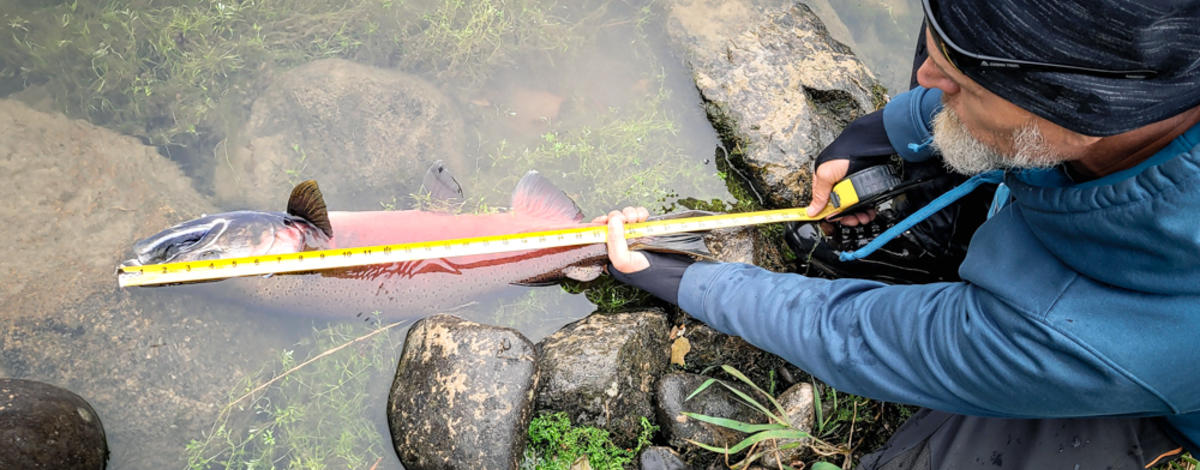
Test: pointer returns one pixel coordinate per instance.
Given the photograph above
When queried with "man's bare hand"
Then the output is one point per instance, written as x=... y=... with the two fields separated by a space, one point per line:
x=826 y=175
x=619 y=253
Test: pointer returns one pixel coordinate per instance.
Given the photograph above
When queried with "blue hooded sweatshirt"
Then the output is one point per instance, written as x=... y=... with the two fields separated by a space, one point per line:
x=1077 y=300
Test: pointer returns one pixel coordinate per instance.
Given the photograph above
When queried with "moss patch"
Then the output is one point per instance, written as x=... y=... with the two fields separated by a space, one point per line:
x=554 y=444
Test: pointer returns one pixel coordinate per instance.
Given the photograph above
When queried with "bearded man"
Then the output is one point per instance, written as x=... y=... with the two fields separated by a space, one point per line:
x=1067 y=340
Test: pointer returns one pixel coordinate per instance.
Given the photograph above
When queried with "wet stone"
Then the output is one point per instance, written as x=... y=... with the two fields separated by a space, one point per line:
x=797 y=402
x=716 y=400
x=602 y=370
x=462 y=395
x=777 y=86
x=744 y=245
x=46 y=427
x=661 y=458
x=156 y=363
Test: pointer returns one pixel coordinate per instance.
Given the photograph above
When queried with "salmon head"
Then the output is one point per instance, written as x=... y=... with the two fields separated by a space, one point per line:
x=230 y=235
x=236 y=234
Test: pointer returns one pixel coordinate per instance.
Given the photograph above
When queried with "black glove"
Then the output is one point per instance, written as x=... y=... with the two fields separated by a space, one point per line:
x=864 y=142
x=662 y=278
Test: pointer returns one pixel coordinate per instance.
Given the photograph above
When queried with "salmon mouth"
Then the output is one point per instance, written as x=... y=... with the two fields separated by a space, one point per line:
x=228 y=235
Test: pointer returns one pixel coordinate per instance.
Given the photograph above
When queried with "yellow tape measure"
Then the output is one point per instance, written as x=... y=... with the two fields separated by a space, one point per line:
x=844 y=196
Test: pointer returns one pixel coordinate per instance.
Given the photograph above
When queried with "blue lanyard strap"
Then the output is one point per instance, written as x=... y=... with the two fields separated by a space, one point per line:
x=994 y=176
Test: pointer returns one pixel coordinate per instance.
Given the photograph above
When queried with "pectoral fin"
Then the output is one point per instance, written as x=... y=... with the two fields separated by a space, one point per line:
x=441 y=185
x=584 y=273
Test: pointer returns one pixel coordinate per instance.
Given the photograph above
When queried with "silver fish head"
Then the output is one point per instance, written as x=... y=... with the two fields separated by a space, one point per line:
x=229 y=235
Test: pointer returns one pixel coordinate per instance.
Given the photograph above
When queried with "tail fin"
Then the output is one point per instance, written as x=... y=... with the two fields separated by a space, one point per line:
x=690 y=243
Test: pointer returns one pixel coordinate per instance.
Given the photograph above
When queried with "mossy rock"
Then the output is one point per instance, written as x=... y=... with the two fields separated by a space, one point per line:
x=602 y=371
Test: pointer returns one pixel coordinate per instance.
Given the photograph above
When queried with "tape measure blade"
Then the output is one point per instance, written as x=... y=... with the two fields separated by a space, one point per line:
x=383 y=254
x=353 y=257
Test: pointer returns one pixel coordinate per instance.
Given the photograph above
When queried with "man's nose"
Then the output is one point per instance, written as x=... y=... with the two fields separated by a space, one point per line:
x=929 y=76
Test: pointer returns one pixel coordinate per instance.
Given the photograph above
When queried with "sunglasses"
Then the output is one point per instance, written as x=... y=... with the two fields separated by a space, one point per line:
x=960 y=57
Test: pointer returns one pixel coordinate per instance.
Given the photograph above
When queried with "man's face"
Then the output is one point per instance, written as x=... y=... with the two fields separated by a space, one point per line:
x=979 y=131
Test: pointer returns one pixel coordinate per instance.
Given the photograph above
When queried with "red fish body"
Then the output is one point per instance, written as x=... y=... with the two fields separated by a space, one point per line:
x=398 y=289
x=424 y=286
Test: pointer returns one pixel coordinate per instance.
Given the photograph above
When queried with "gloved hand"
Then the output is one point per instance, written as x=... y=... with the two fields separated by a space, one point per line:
x=661 y=277
x=656 y=273
x=864 y=143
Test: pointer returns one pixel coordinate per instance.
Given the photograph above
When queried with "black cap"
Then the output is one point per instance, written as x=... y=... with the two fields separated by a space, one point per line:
x=1158 y=35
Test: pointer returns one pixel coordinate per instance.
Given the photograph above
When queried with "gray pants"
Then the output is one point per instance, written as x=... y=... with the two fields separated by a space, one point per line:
x=935 y=440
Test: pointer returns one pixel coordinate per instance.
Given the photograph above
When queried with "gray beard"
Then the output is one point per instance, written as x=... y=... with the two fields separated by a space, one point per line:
x=963 y=153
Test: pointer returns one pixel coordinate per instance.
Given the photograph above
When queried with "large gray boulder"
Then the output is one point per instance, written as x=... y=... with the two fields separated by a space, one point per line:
x=462 y=395
x=602 y=371
x=155 y=363
x=363 y=132
x=778 y=87
x=76 y=196
x=43 y=427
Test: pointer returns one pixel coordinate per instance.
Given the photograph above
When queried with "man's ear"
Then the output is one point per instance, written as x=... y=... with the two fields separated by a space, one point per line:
x=1075 y=139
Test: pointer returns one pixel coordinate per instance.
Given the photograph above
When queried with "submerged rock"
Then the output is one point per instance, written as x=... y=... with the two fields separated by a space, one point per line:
x=462 y=395
x=778 y=87
x=601 y=371
x=76 y=196
x=156 y=363
x=362 y=132
x=46 y=427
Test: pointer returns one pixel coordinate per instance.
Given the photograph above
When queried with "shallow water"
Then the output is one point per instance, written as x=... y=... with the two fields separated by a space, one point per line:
x=164 y=366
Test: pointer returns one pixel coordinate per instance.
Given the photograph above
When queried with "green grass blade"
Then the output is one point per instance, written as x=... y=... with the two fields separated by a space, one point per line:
x=765 y=435
x=734 y=424
x=701 y=388
x=710 y=448
x=752 y=402
x=740 y=376
x=825 y=466
x=818 y=410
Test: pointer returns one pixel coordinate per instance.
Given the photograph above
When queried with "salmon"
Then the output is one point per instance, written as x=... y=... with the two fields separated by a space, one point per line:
x=396 y=289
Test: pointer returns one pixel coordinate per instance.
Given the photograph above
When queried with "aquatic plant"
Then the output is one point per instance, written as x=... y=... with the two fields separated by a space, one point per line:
x=610 y=295
x=176 y=73
x=628 y=157
x=310 y=414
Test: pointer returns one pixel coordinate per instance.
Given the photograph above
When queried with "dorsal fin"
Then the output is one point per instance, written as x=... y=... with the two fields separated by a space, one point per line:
x=536 y=196
x=441 y=185
x=306 y=202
